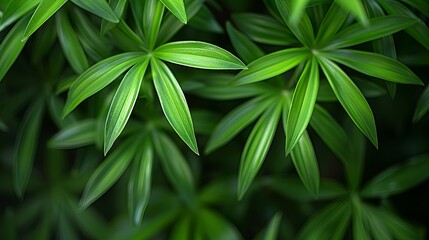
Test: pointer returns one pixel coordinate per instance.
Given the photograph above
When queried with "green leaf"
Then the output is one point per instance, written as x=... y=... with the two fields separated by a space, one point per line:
x=420 y=5
x=14 y=10
x=297 y=7
x=182 y=229
x=176 y=7
x=99 y=7
x=271 y=65
x=215 y=227
x=359 y=231
x=139 y=185
x=205 y=21
x=70 y=43
x=173 y=103
x=273 y=227
x=329 y=223
x=175 y=167
x=43 y=12
x=330 y=25
x=123 y=103
x=199 y=55
x=256 y=147
x=303 y=30
x=99 y=76
x=375 y=65
x=422 y=107
x=245 y=48
x=235 y=121
x=332 y=134
x=263 y=29
x=11 y=46
x=152 y=16
x=79 y=134
x=377 y=28
x=376 y=224
x=118 y=7
x=108 y=172
x=303 y=101
x=26 y=146
x=398 y=178
x=356 y=8
x=351 y=99
x=126 y=39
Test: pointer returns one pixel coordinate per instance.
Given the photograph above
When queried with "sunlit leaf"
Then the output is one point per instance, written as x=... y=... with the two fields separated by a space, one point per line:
x=173 y=103
x=177 y=7
x=297 y=8
x=26 y=145
x=152 y=16
x=256 y=147
x=99 y=7
x=199 y=55
x=76 y=135
x=356 y=7
x=271 y=65
x=99 y=76
x=14 y=10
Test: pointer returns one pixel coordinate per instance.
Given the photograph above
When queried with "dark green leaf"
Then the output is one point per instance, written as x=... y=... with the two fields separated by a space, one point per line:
x=351 y=99
x=422 y=107
x=273 y=227
x=398 y=178
x=76 y=135
x=177 y=7
x=173 y=103
x=118 y=7
x=182 y=229
x=205 y=21
x=216 y=227
x=123 y=103
x=271 y=65
x=14 y=10
x=199 y=55
x=256 y=147
x=26 y=145
x=99 y=8
x=99 y=76
x=245 y=48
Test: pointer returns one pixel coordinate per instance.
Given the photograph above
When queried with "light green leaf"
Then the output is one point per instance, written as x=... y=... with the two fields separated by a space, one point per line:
x=303 y=101
x=152 y=16
x=351 y=99
x=176 y=7
x=303 y=30
x=99 y=76
x=173 y=103
x=70 y=43
x=175 y=167
x=330 y=25
x=398 y=178
x=139 y=185
x=99 y=7
x=245 y=48
x=356 y=8
x=273 y=227
x=11 y=46
x=263 y=29
x=422 y=107
x=76 y=135
x=375 y=65
x=271 y=65
x=329 y=223
x=108 y=172
x=215 y=227
x=377 y=28
x=14 y=10
x=297 y=7
x=118 y=7
x=199 y=55
x=256 y=147
x=43 y=12
x=123 y=103
x=26 y=146
x=332 y=134
x=237 y=120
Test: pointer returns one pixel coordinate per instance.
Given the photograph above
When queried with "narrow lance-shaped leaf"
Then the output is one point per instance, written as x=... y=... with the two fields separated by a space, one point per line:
x=205 y=21
x=398 y=178
x=175 y=167
x=177 y=7
x=43 y=12
x=99 y=76
x=26 y=147
x=303 y=101
x=375 y=65
x=139 y=185
x=237 y=120
x=377 y=28
x=99 y=7
x=215 y=227
x=76 y=135
x=152 y=16
x=123 y=103
x=199 y=55
x=70 y=43
x=297 y=8
x=14 y=10
x=173 y=103
x=330 y=25
x=356 y=7
x=272 y=230
x=351 y=99
x=118 y=7
x=271 y=65
x=11 y=46
x=245 y=48
x=108 y=172
x=256 y=148
x=422 y=107
x=359 y=231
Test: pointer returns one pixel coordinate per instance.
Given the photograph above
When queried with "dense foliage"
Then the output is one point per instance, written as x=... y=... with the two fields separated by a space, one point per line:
x=215 y=119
